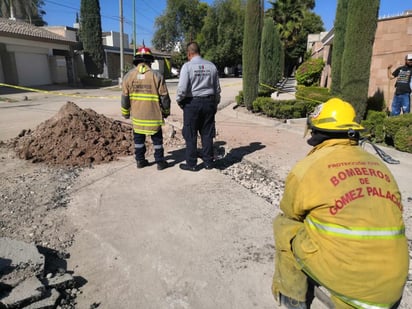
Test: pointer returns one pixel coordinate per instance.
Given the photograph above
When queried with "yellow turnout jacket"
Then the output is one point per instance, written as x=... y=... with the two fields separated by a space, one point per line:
x=353 y=237
x=145 y=98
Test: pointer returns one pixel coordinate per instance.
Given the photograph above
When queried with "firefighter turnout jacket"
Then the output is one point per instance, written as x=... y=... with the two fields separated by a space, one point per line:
x=145 y=98
x=352 y=240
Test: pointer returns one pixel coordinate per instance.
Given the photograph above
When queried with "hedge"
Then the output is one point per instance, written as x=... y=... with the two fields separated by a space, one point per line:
x=394 y=131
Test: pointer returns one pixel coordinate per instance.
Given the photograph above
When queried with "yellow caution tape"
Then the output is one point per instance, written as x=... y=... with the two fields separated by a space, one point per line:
x=296 y=96
x=232 y=84
x=59 y=93
x=77 y=95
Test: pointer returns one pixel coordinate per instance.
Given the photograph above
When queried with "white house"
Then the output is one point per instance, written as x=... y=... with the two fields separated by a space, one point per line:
x=32 y=56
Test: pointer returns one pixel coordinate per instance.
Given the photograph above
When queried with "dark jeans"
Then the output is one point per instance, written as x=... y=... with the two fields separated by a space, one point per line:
x=140 y=147
x=199 y=116
x=401 y=103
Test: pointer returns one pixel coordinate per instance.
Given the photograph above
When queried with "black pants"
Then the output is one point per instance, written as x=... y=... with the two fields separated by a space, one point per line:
x=140 y=147
x=199 y=116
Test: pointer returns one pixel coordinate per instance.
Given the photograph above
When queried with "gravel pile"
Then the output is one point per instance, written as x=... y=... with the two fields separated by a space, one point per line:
x=256 y=179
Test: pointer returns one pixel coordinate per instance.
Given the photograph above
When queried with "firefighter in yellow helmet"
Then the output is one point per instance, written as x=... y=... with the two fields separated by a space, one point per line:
x=146 y=99
x=342 y=224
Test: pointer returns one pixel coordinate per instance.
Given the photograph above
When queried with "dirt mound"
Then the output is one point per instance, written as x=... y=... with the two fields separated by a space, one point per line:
x=75 y=137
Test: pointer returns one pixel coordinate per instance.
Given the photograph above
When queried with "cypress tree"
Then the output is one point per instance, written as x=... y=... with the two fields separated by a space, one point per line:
x=270 y=55
x=91 y=36
x=251 y=50
x=361 y=26
x=338 y=45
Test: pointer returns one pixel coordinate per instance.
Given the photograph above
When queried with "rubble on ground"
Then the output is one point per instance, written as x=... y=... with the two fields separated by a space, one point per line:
x=30 y=277
x=35 y=192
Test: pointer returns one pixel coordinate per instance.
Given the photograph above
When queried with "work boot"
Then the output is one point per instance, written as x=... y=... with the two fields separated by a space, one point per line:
x=290 y=303
x=186 y=167
x=142 y=163
x=209 y=165
x=161 y=165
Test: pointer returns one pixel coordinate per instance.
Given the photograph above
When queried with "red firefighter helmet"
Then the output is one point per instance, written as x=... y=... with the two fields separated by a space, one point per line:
x=143 y=54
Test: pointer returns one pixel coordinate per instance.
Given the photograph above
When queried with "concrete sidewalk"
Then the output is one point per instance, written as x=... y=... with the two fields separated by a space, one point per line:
x=178 y=239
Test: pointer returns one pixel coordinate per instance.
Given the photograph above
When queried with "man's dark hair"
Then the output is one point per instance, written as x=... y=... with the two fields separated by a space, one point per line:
x=193 y=48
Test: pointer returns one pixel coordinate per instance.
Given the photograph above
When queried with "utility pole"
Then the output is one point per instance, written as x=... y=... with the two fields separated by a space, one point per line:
x=134 y=28
x=121 y=41
x=12 y=11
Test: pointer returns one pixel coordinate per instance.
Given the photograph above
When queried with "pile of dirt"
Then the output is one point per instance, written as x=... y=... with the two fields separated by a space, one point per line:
x=75 y=137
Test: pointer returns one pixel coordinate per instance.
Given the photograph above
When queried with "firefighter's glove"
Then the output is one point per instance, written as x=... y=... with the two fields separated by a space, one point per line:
x=165 y=113
x=126 y=116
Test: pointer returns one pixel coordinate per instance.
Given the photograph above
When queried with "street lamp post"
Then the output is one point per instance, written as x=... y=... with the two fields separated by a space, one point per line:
x=121 y=42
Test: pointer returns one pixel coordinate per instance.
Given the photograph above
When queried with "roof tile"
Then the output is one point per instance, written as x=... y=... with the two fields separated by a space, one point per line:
x=18 y=28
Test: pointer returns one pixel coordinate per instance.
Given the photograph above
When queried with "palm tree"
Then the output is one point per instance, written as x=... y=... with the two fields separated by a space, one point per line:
x=288 y=16
x=27 y=10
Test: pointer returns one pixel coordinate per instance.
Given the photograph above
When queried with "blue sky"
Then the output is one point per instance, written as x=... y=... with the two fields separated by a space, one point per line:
x=64 y=13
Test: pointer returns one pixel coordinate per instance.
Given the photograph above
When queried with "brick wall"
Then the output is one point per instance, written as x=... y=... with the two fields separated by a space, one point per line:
x=393 y=40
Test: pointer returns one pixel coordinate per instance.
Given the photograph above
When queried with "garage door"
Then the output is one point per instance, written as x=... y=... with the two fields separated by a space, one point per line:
x=32 y=69
x=1 y=73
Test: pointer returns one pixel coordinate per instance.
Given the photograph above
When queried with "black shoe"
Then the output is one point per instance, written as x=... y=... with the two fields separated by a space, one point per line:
x=186 y=167
x=142 y=163
x=161 y=165
x=209 y=166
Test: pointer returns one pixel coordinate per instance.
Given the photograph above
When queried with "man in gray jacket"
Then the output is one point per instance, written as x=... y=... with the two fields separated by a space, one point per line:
x=198 y=94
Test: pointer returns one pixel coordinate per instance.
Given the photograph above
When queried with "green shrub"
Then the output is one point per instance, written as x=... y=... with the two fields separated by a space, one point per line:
x=393 y=124
x=265 y=105
x=309 y=72
x=285 y=111
x=240 y=99
x=308 y=99
x=265 y=93
x=403 y=139
x=374 y=125
x=316 y=95
x=301 y=109
x=95 y=81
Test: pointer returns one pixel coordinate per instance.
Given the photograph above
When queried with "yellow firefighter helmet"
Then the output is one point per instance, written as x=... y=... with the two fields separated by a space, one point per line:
x=335 y=115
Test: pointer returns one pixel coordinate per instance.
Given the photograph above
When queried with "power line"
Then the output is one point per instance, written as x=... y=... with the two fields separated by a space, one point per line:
x=116 y=18
x=140 y=29
x=151 y=8
x=62 y=5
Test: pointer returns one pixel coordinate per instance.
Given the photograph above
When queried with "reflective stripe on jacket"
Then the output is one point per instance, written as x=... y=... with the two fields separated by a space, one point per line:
x=144 y=88
x=353 y=240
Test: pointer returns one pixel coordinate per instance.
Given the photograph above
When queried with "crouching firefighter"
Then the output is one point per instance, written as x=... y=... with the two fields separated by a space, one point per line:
x=146 y=99
x=342 y=225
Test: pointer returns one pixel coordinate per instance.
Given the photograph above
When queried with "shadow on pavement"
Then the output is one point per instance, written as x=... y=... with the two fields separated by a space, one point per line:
x=235 y=155
x=175 y=157
x=223 y=160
